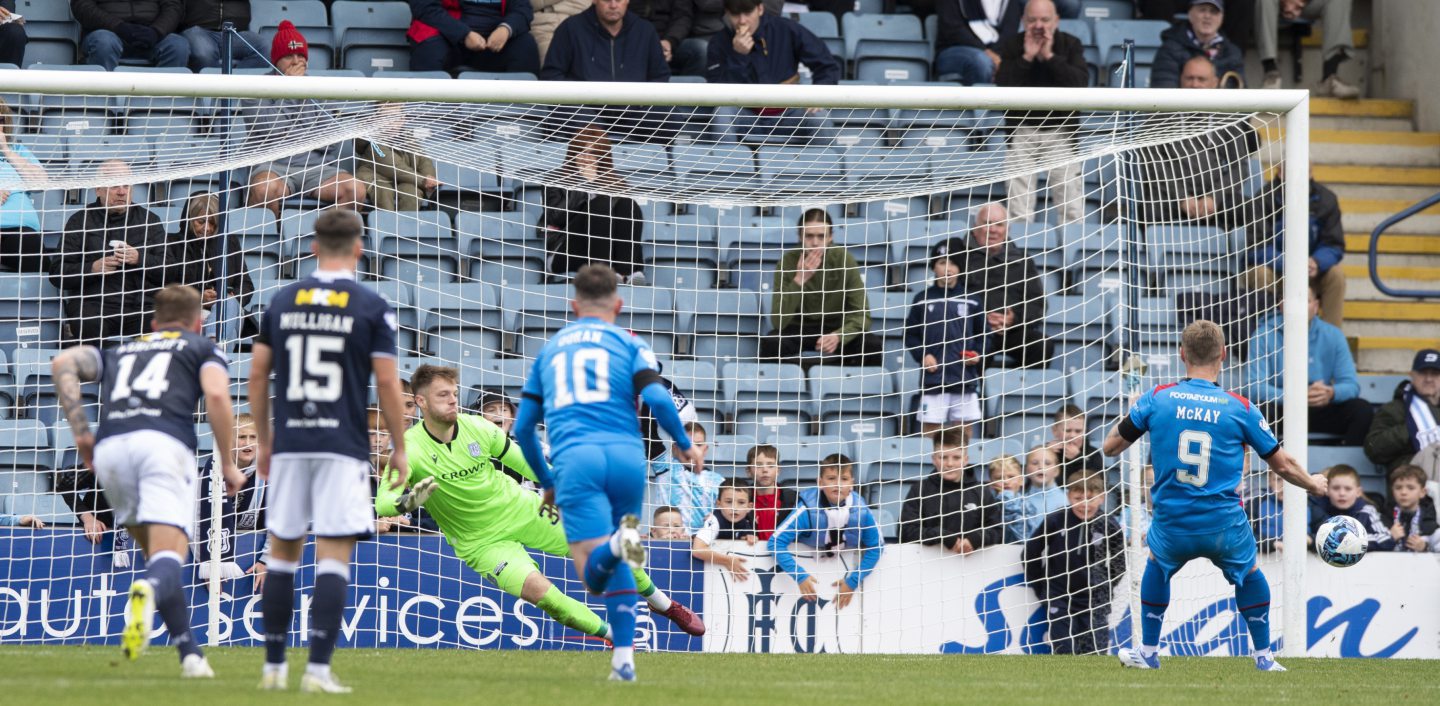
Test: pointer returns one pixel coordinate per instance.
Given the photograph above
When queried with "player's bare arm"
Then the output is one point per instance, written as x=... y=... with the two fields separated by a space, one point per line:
x=392 y=407
x=72 y=367
x=260 y=361
x=1289 y=468
x=1115 y=444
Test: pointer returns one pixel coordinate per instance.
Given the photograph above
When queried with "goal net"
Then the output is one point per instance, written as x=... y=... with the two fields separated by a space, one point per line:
x=911 y=312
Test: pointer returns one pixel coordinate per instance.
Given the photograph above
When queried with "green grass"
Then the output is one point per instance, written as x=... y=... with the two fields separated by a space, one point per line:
x=59 y=676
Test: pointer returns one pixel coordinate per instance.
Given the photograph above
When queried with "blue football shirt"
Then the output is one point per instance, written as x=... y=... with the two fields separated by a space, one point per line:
x=587 y=378
x=1198 y=434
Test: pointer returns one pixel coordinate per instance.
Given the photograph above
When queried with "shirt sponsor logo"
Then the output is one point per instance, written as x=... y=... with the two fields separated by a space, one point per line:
x=322 y=297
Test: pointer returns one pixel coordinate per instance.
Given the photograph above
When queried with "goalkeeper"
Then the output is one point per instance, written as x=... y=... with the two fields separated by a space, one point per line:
x=487 y=517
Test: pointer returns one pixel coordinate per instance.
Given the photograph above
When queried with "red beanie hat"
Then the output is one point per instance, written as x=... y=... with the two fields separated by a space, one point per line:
x=288 y=41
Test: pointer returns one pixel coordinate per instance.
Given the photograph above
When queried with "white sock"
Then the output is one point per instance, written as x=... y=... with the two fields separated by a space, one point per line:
x=281 y=668
x=659 y=602
x=321 y=671
x=1149 y=650
x=622 y=657
x=1263 y=653
x=615 y=543
x=609 y=632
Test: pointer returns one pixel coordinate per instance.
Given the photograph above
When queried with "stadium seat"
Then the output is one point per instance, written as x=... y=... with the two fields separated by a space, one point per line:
x=1092 y=250
x=1098 y=393
x=727 y=323
x=1379 y=389
x=1188 y=257
x=700 y=382
x=1321 y=458
x=815 y=171
x=726 y=456
x=899 y=458
x=650 y=312
x=399 y=294
x=642 y=164
x=1111 y=35
x=25 y=444
x=415 y=246
x=303 y=13
x=855 y=402
x=824 y=26
x=896 y=36
x=700 y=164
x=983 y=451
x=766 y=398
x=800 y=456
x=1096 y=10
x=1030 y=430
x=535 y=313
x=49 y=507
x=1023 y=391
x=682 y=252
x=460 y=321
x=53 y=35
x=1077 y=319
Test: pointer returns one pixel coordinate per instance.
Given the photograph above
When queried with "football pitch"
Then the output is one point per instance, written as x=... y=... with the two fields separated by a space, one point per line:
x=59 y=676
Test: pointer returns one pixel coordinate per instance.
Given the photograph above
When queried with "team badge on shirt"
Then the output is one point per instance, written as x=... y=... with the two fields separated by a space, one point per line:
x=475 y=449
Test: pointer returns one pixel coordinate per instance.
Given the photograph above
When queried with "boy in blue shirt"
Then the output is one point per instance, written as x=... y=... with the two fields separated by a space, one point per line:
x=830 y=517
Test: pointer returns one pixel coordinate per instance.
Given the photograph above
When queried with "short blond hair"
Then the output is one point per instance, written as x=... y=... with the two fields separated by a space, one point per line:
x=1203 y=342
x=1004 y=463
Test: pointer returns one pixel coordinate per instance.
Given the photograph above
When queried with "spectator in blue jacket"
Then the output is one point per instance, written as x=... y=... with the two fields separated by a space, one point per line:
x=607 y=42
x=829 y=518
x=756 y=48
x=1335 y=406
x=1200 y=35
x=1327 y=248
x=487 y=35
x=947 y=335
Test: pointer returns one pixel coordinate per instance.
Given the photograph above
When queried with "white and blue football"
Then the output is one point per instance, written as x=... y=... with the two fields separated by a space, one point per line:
x=1341 y=541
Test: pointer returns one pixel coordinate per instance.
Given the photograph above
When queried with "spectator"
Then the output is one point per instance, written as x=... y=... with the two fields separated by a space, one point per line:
x=1411 y=512
x=21 y=521
x=83 y=495
x=548 y=16
x=22 y=247
x=496 y=409
x=949 y=507
x=771 y=503
x=397 y=179
x=1007 y=482
x=1334 y=15
x=583 y=221
x=661 y=14
x=1404 y=430
x=968 y=37
x=112 y=258
x=1335 y=405
x=947 y=335
x=12 y=35
x=1147 y=507
x=731 y=521
x=204 y=20
x=1072 y=449
x=135 y=29
x=407 y=397
x=1044 y=495
x=819 y=302
x=692 y=491
x=830 y=517
x=1043 y=57
x=1008 y=284
x=1071 y=564
x=1267 y=514
x=650 y=429
x=693 y=23
x=1238 y=25
x=1327 y=248
x=783 y=45
x=315 y=173
x=1345 y=498
x=1200 y=179
x=243 y=512
x=195 y=260
x=1201 y=36
x=485 y=35
x=606 y=42
x=379 y=461
x=668 y=523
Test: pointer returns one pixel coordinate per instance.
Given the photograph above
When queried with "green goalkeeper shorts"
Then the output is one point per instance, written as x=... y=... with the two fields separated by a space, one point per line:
x=506 y=563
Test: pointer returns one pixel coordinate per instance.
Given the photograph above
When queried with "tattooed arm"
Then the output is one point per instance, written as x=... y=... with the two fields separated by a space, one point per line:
x=73 y=366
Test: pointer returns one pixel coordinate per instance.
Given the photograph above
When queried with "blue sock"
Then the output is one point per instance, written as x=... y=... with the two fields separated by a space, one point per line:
x=621 y=600
x=1253 y=599
x=1154 y=599
x=600 y=567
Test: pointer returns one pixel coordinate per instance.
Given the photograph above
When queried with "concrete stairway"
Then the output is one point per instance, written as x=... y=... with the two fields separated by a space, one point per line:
x=1369 y=152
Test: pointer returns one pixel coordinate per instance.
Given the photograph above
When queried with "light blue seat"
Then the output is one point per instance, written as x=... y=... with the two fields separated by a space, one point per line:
x=700 y=382
x=728 y=453
x=650 y=313
x=1323 y=457
x=1379 y=389
x=703 y=164
x=884 y=35
x=899 y=458
x=816 y=171
x=766 y=398
x=53 y=35
x=727 y=323
x=49 y=507
x=855 y=402
x=460 y=320
x=983 y=451
x=1186 y=257
x=642 y=163
x=1098 y=393
x=536 y=312
x=1023 y=391
x=1092 y=250
x=1077 y=319
x=1029 y=430
x=1102 y=11
x=24 y=444
x=1111 y=34
x=270 y=13
x=801 y=456
x=504 y=375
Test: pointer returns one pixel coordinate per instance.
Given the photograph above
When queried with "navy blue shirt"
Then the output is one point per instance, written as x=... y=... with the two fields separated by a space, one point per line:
x=781 y=45
x=152 y=382
x=583 y=50
x=324 y=331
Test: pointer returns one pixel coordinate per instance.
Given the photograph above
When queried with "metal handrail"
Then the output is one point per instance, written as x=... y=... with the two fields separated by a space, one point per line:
x=1375 y=251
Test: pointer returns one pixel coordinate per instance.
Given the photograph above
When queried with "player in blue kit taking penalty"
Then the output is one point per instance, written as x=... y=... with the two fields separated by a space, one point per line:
x=1198 y=434
x=584 y=385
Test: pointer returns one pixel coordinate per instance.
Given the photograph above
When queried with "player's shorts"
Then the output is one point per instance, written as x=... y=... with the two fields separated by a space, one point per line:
x=946 y=407
x=1232 y=550
x=149 y=478
x=507 y=562
x=300 y=180
x=596 y=485
x=328 y=494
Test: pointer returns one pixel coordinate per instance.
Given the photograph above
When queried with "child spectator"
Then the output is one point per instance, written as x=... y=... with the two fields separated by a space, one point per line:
x=21 y=521
x=496 y=409
x=771 y=503
x=1267 y=514
x=1072 y=562
x=1344 y=498
x=1007 y=482
x=949 y=507
x=1044 y=495
x=830 y=517
x=946 y=334
x=1410 y=512
x=667 y=523
x=407 y=397
x=682 y=486
x=1147 y=476
x=731 y=521
x=379 y=460
x=1069 y=443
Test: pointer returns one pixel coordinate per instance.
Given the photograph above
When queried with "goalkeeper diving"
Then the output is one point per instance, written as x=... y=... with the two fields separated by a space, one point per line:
x=486 y=516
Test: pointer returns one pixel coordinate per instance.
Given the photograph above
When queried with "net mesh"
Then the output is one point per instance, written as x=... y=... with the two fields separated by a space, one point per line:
x=816 y=283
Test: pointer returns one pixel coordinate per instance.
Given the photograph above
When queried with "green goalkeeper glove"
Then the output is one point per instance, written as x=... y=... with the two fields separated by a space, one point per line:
x=412 y=499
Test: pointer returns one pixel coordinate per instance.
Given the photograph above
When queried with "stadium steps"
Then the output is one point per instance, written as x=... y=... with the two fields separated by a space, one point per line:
x=1366 y=115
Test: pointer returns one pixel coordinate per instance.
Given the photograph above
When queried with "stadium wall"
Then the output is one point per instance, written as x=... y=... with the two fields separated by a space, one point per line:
x=411 y=591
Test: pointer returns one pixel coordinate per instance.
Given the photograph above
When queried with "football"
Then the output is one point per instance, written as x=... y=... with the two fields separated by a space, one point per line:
x=1341 y=541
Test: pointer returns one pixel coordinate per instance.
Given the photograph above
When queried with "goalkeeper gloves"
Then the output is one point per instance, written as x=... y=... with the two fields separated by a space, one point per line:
x=412 y=499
